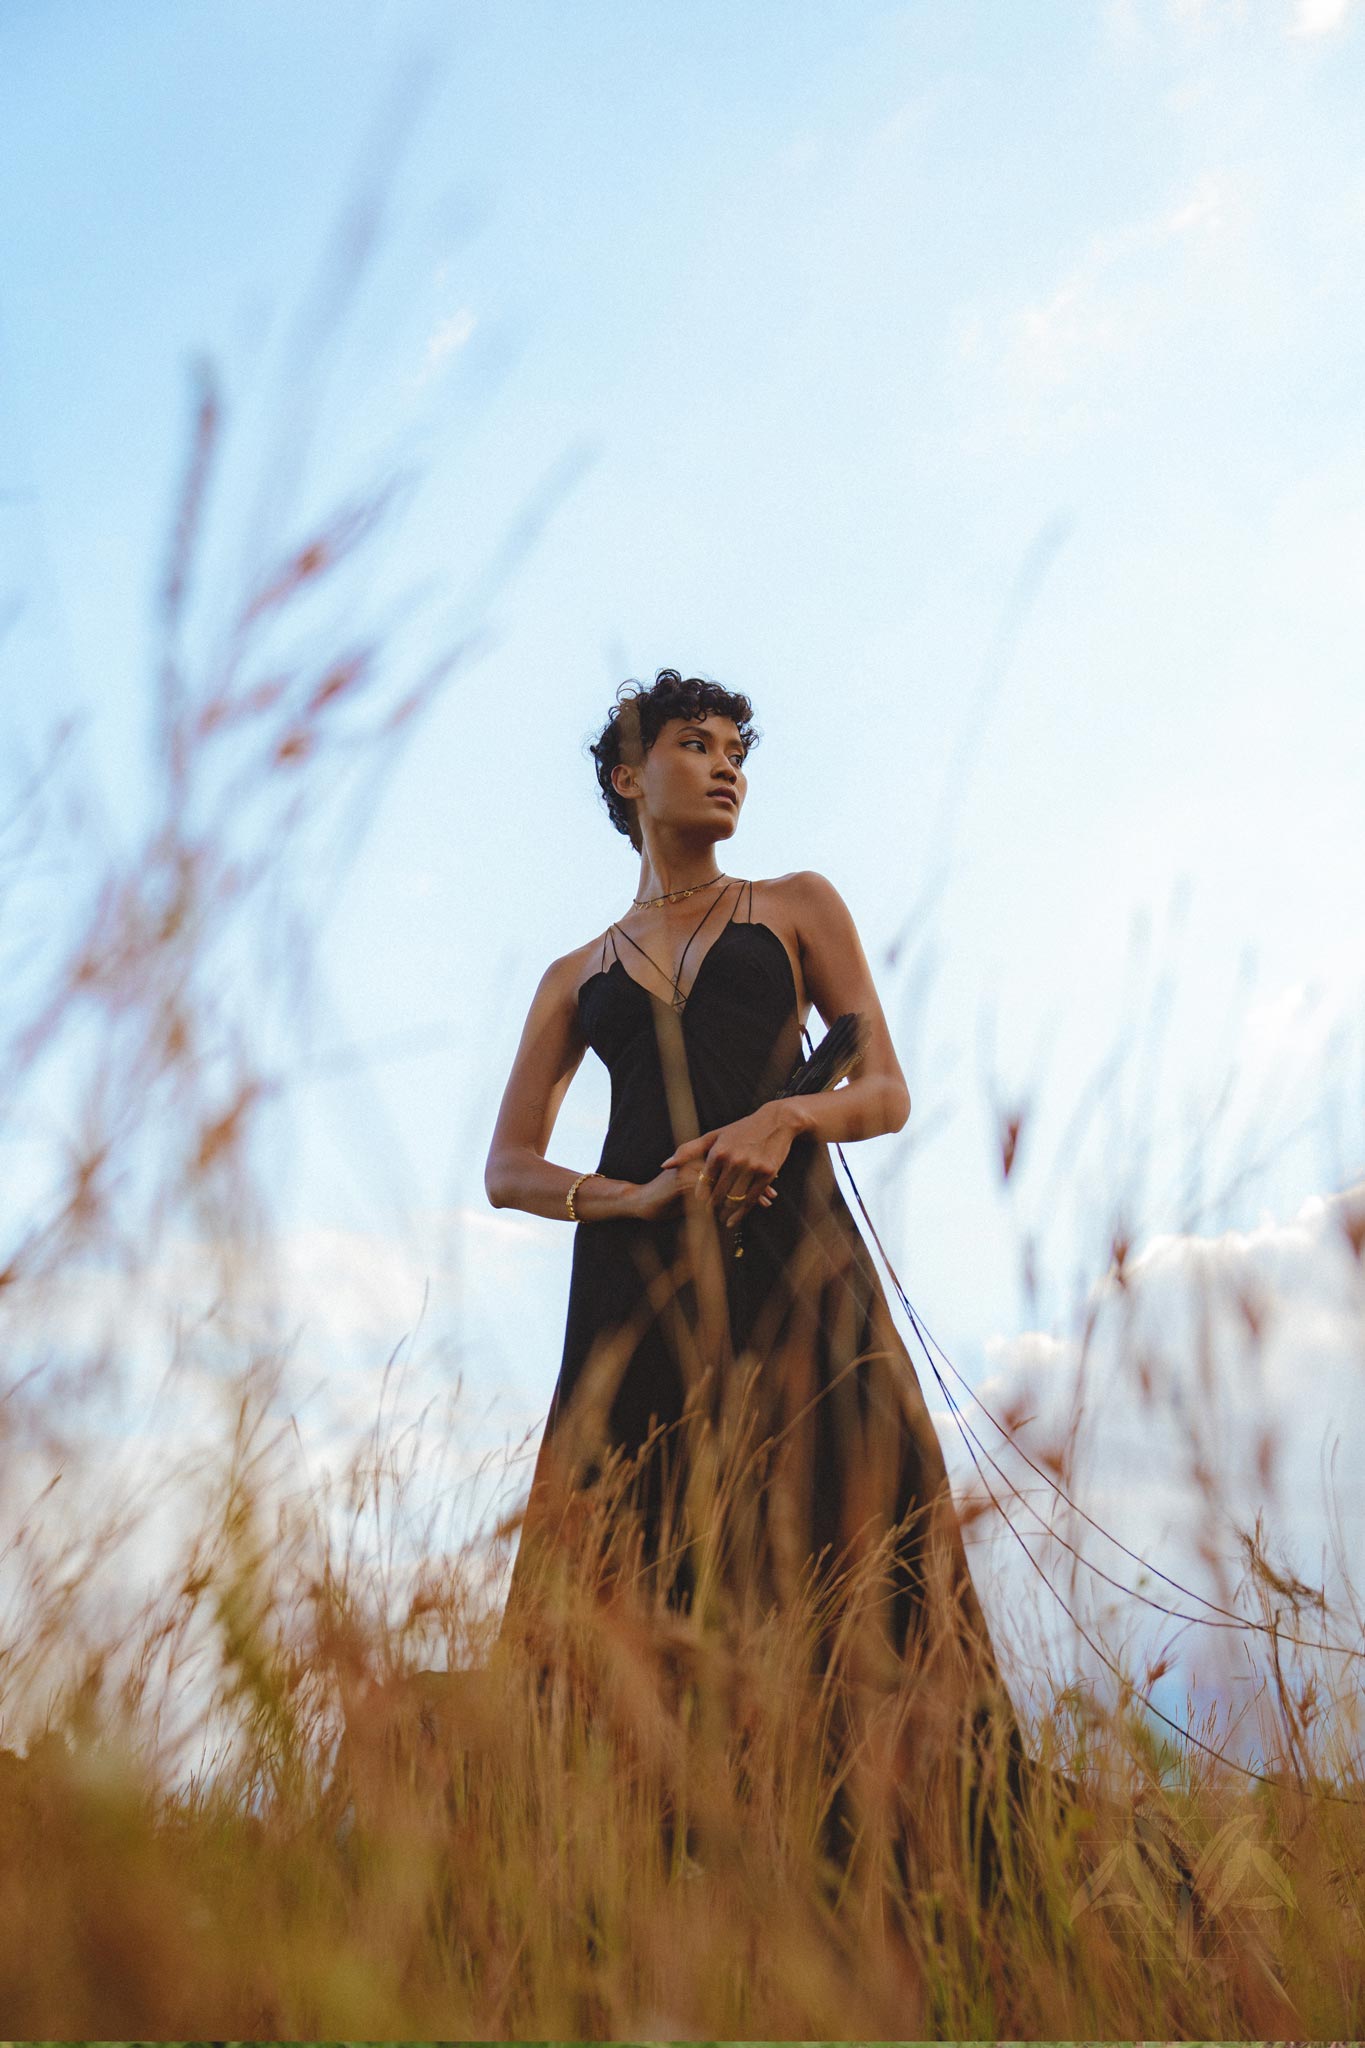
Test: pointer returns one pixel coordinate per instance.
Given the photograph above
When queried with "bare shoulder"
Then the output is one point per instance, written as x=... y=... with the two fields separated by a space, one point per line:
x=819 y=928
x=802 y=900
x=566 y=975
x=785 y=890
x=807 y=913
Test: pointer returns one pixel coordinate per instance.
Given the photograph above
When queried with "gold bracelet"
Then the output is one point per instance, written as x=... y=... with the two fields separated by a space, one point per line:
x=574 y=1190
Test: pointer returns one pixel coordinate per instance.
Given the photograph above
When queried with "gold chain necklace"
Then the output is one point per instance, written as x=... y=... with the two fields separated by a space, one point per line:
x=675 y=895
x=679 y=999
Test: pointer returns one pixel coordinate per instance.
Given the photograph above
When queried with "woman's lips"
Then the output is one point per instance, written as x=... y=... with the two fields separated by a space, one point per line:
x=722 y=796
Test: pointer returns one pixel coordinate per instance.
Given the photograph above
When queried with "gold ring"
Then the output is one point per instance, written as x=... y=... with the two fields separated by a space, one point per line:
x=734 y=1198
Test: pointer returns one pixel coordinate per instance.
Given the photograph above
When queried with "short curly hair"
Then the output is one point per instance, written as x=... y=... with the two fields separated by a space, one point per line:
x=639 y=715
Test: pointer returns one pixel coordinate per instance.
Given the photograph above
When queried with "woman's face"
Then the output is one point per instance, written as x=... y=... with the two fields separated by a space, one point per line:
x=694 y=765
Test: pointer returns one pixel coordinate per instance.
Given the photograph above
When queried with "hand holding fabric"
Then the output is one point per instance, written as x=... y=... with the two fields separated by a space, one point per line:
x=741 y=1159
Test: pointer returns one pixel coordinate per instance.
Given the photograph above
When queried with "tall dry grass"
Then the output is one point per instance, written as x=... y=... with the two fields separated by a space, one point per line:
x=269 y=1776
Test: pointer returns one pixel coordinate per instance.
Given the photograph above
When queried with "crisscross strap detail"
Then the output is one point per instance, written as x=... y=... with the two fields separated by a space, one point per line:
x=679 y=1000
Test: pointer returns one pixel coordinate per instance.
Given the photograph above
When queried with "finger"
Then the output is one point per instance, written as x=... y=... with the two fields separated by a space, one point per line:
x=759 y=1197
x=738 y=1198
x=690 y=1149
x=727 y=1178
x=739 y=1179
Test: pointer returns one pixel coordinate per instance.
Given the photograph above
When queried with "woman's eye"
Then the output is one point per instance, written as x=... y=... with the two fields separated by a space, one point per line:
x=693 y=741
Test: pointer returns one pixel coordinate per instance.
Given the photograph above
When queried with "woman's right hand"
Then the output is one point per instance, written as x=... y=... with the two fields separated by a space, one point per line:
x=666 y=1193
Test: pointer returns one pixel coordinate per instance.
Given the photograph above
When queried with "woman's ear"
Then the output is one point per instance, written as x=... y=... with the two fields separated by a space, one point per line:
x=623 y=782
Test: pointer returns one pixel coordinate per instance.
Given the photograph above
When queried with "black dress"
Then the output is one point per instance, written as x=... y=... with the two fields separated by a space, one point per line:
x=783 y=1361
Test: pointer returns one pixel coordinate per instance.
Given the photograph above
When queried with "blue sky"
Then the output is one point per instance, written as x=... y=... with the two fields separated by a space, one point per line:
x=977 y=388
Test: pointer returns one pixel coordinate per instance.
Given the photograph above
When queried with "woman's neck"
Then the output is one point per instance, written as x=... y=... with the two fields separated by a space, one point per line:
x=665 y=872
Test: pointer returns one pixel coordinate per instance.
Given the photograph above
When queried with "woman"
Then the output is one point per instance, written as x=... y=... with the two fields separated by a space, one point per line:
x=729 y=1354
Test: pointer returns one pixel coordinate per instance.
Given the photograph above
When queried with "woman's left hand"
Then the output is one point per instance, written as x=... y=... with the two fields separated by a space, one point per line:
x=741 y=1158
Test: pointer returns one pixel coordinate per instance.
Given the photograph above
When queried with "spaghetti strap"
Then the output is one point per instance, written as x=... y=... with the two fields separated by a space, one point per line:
x=679 y=1000
x=739 y=891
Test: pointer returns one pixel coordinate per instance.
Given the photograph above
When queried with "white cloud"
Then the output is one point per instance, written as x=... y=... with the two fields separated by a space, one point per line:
x=1207 y=209
x=1318 y=17
x=1226 y=1379
x=1133 y=283
x=1129 y=22
x=367 y=1332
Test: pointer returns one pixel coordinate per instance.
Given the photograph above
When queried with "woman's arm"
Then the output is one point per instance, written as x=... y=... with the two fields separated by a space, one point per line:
x=875 y=1098
x=517 y=1174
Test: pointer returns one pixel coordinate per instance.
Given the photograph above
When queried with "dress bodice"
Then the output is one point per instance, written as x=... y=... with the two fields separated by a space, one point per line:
x=737 y=1034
